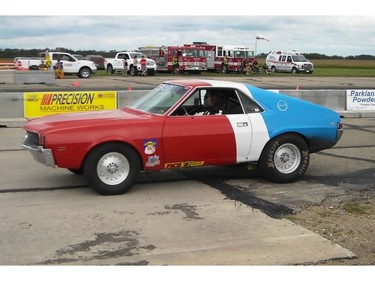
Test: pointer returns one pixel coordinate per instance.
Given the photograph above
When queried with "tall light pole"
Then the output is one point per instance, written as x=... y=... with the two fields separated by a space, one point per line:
x=259 y=37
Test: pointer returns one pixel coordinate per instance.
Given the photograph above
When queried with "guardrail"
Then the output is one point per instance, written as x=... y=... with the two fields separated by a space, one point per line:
x=7 y=66
x=22 y=77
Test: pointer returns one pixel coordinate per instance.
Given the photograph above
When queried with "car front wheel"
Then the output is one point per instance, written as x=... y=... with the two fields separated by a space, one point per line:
x=110 y=70
x=284 y=159
x=84 y=72
x=133 y=71
x=151 y=72
x=112 y=168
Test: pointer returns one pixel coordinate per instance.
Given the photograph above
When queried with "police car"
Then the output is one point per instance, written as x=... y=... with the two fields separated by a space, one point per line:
x=172 y=127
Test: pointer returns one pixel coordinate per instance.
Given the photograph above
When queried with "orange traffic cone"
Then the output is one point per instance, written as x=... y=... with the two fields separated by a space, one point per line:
x=129 y=88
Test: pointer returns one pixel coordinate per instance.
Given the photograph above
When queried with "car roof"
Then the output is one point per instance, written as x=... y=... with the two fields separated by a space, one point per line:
x=206 y=83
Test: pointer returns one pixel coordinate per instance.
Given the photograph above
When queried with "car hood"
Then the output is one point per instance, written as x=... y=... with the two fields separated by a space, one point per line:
x=85 y=119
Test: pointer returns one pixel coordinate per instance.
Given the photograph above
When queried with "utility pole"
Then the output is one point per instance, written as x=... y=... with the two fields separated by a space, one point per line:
x=259 y=37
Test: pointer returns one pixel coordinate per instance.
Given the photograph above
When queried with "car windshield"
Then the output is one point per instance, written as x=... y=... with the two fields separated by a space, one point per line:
x=79 y=57
x=160 y=99
x=194 y=53
x=243 y=54
x=139 y=55
x=299 y=58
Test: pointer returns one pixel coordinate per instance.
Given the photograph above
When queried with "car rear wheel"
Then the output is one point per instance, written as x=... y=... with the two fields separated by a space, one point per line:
x=110 y=69
x=112 y=168
x=284 y=159
x=76 y=171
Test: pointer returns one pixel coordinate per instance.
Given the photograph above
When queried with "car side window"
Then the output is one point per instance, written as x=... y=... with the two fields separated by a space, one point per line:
x=190 y=106
x=221 y=101
x=67 y=58
x=249 y=105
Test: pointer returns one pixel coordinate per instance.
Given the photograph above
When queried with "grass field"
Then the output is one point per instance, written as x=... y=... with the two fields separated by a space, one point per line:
x=322 y=68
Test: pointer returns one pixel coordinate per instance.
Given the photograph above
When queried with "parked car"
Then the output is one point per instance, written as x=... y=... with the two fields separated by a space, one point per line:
x=172 y=127
x=98 y=60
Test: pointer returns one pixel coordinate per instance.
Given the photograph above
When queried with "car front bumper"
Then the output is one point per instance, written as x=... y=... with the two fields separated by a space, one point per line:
x=41 y=155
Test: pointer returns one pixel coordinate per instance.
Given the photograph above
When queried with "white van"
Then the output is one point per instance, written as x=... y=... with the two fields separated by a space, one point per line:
x=288 y=61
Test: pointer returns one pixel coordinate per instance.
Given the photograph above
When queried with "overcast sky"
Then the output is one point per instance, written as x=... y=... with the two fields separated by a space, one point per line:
x=117 y=25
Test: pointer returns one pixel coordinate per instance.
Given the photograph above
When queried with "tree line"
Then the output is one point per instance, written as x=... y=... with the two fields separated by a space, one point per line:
x=12 y=53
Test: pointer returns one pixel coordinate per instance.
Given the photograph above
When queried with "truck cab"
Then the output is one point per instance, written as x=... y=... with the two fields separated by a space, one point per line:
x=71 y=65
x=117 y=64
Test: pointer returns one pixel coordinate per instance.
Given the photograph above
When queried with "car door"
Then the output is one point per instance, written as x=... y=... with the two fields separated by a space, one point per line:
x=69 y=63
x=288 y=64
x=119 y=61
x=282 y=62
x=197 y=139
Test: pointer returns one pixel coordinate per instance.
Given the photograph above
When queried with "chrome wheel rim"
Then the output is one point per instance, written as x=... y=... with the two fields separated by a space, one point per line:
x=287 y=158
x=113 y=168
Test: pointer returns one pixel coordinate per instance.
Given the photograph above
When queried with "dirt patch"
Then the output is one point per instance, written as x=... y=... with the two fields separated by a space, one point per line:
x=351 y=225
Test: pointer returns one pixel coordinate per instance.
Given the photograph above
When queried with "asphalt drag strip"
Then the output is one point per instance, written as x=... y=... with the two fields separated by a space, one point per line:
x=158 y=222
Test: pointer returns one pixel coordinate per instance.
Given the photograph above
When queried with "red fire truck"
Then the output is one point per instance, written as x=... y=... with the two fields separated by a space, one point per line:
x=225 y=58
x=177 y=59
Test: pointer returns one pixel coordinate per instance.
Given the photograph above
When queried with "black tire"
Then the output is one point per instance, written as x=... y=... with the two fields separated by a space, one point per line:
x=111 y=168
x=284 y=159
x=151 y=72
x=76 y=171
x=133 y=70
x=33 y=67
x=273 y=69
x=84 y=72
x=109 y=69
x=294 y=70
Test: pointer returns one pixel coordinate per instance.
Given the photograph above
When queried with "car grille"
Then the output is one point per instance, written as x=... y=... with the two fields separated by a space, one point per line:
x=31 y=139
x=307 y=66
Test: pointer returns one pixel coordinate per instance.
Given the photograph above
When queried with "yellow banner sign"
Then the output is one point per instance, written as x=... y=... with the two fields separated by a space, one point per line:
x=38 y=104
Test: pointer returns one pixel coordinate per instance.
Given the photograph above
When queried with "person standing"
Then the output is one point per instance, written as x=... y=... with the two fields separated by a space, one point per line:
x=47 y=59
x=226 y=60
x=125 y=73
x=59 y=69
x=144 y=66
x=43 y=66
x=135 y=64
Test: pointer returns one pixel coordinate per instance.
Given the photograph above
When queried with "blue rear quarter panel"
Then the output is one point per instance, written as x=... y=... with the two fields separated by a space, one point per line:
x=285 y=114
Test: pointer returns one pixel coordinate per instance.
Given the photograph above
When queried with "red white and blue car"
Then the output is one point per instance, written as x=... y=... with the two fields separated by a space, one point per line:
x=171 y=127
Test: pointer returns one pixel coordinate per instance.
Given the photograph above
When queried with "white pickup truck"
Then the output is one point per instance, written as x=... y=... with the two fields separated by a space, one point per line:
x=71 y=65
x=117 y=64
